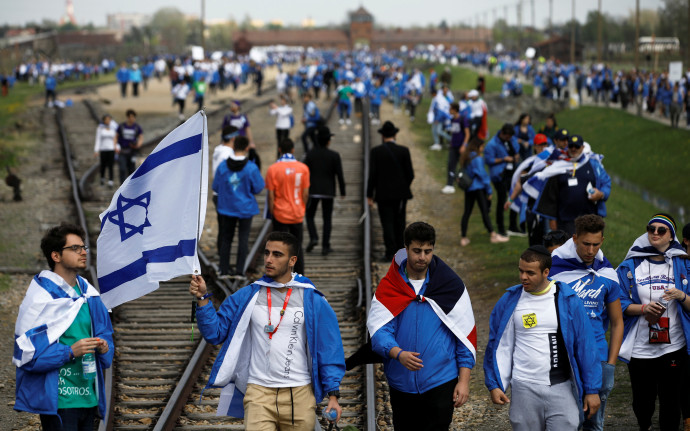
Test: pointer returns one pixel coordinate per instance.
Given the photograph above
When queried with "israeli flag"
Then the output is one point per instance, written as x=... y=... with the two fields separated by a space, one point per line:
x=150 y=231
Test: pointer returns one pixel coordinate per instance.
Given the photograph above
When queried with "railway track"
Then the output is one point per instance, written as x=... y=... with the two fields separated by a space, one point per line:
x=161 y=363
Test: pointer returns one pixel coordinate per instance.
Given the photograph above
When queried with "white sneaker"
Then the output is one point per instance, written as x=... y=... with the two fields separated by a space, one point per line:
x=516 y=233
x=341 y=121
x=436 y=147
x=181 y=117
x=448 y=190
x=110 y=183
x=348 y=121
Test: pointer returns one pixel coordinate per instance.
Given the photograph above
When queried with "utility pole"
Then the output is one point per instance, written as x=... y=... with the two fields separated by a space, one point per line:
x=519 y=24
x=637 y=34
x=203 y=36
x=534 y=24
x=599 y=22
x=550 y=26
x=572 y=36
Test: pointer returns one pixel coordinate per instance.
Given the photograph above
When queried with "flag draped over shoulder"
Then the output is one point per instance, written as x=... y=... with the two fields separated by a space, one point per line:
x=149 y=233
x=446 y=293
x=568 y=267
x=49 y=308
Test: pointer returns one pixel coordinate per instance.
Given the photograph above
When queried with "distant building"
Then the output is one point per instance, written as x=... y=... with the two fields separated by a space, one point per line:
x=659 y=44
x=124 y=22
x=558 y=47
x=361 y=32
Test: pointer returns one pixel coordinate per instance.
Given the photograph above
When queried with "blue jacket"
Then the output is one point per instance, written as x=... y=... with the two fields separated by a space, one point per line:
x=37 y=381
x=629 y=296
x=603 y=184
x=236 y=188
x=135 y=75
x=496 y=150
x=311 y=114
x=325 y=347
x=577 y=336
x=50 y=83
x=476 y=170
x=418 y=329
x=122 y=74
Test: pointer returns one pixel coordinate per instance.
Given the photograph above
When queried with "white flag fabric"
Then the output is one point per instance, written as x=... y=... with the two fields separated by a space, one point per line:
x=149 y=233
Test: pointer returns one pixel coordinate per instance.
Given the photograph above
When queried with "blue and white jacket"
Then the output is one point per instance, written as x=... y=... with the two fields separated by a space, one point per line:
x=629 y=296
x=577 y=337
x=47 y=311
x=230 y=326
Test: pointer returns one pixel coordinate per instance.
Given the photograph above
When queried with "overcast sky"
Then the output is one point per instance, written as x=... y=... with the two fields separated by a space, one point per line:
x=386 y=12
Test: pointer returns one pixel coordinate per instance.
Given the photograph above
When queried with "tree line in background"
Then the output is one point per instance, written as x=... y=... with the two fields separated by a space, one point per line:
x=171 y=31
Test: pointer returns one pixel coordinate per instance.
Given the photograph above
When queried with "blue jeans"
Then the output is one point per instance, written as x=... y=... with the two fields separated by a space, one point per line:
x=81 y=419
x=437 y=132
x=596 y=422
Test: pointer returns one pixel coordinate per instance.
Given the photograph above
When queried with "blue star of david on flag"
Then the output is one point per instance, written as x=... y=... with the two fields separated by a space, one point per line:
x=137 y=217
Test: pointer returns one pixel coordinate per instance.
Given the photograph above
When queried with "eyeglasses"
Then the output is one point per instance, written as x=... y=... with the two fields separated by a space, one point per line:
x=77 y=248
x=657 y=230
x=574 y=146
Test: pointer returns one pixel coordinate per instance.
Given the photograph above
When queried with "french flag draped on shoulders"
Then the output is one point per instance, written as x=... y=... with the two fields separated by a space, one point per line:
x=446 y=293
x=150 y=231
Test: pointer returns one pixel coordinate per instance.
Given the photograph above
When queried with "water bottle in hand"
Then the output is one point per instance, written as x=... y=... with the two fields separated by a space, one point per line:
x=88 y=363
x=330 y=416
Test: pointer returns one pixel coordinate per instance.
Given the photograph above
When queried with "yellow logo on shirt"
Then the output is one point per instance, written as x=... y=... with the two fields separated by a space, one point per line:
x=529 y=320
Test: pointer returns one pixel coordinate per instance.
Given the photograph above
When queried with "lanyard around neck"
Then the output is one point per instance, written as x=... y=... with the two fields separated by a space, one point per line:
x=270 y=329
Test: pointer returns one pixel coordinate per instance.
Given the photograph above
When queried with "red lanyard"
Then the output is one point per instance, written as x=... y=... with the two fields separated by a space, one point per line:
x=269 y=329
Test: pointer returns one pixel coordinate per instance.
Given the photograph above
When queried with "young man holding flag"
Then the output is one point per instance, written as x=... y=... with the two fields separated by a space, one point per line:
x=421 y=323
x=282 y=351
x=61 y=319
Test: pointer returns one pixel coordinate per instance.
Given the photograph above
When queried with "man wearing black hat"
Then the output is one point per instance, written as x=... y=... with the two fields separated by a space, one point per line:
x=324 y=167
x=577 y=187
x=541 y=344
x=502 y=156
x=390 y=177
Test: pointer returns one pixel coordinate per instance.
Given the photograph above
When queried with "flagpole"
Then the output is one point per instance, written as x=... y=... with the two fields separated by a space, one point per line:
x=201 y=179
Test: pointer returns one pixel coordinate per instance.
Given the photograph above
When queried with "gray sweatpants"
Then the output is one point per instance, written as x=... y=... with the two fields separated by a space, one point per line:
x=543 y=408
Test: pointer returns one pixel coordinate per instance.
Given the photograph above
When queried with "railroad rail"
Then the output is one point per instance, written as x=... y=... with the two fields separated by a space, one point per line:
x=161 y=361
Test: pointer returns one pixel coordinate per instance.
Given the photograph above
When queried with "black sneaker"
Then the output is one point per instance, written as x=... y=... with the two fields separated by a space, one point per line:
x=326 y=251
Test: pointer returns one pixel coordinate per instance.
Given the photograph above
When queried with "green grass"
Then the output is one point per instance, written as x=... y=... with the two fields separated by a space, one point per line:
x=496 y=265
x=5 y=281
x=643 y=152
x=465 y=79
x=12 y=141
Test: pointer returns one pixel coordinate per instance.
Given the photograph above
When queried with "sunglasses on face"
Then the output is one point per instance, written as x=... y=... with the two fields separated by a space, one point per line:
x=657 y=230
x=574 y=146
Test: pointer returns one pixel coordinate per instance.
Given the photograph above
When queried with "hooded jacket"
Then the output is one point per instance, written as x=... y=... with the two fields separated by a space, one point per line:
x=577 y=336
x=236 y=182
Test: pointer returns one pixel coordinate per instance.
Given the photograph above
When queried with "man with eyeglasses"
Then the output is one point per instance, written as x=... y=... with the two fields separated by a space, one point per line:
x=63 y=336
x=581 y=264
x=575 y=187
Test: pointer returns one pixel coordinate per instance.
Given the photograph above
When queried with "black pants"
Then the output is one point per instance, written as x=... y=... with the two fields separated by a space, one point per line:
x=662 y=377
x=309 y=133
x=78 y=419
x=567 y=226
x=478 y=196
x=107 y=162
x=123 y=89
x=297 y=230
x=392 y=215
x=125 y=163
x=326 y=212
x=453 y=158
x=180 y=102
x=226 y=233
x=282 y=134
x=430 y=411
x=50 y=95
x=502 y=188
x=199 y=102
x=135 y=89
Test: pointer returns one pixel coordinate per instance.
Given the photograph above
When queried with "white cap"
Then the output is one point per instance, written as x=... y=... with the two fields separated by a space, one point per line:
x=473 y=93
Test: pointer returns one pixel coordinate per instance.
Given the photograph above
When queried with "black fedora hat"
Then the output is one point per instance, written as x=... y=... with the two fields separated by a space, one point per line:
x=388 y=130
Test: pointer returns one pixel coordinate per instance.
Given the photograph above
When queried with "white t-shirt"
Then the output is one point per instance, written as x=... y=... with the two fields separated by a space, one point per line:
x=105 y=137
x=220 y=154
x=280 y=362
x=651 y=279
x=283 y=113
x=536 y=356
x=417 y=285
